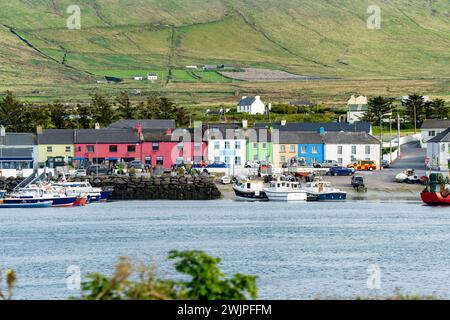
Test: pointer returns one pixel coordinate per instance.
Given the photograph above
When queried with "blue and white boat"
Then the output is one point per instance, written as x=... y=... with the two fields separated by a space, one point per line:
x=44 y=204
x=323 y=191
x=38 y=193
x=81 y=188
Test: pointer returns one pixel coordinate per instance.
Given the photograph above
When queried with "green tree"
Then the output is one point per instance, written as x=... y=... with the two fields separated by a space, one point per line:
x=151 y=109
x=59 y=115
x=439 y=109
x=415 y=109
x=12 y=112
x=102 y=110
x=378 y=108
x=85 y=115
x=206 y=281
x=125 y=109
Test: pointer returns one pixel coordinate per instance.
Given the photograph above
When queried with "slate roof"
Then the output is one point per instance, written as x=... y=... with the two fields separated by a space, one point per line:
x=358 y=126
x=146 y=124
x=436 y=124
x=18 y=139
x=441 y=137
x=349 y=138
x=296 y=137
x=247 y=101
x=9 y=153
x=113 y=136
x=56 y=136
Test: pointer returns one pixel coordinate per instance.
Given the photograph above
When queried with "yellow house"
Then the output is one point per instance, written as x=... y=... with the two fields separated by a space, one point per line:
x=56 y=144
x=283 y=152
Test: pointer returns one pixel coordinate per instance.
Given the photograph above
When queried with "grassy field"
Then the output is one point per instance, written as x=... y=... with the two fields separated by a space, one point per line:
x=313 y=38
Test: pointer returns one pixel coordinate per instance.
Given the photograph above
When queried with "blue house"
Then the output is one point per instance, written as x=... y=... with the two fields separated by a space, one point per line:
x=308 y=146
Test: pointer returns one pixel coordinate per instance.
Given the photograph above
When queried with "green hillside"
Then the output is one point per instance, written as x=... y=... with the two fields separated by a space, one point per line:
x=314 y=38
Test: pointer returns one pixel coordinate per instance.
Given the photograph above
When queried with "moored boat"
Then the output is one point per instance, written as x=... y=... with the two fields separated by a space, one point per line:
x=281 y=190
x=41 y=193
x=44 y=204
x=437 y=191
x=250 y=190
x=323 y=191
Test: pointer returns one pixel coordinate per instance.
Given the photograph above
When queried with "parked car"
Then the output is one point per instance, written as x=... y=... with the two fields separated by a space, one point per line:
x=326 y=164
x=340 y=171
x=385 y=164
x=95 y=169
x=252 y=164
x=357 y=181
x=225 y=180
x=136 y=164
x=363 y=165
x=80 y=173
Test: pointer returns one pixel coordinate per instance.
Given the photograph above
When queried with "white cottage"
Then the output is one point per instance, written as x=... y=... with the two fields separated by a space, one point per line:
x=152 y=77
x=251 y=105
x=431 y=128
x=438 y=149
x=347 y=147
x=356 y=108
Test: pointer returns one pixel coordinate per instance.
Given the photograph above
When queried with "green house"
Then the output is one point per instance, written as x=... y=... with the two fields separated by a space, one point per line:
x=260 y=151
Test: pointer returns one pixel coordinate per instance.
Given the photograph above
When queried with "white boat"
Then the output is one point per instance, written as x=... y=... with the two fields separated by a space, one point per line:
x=408 y=176
x=41 y=192
x=250 y=190
x=285 y=191
x=320 y=190
x=81 y=189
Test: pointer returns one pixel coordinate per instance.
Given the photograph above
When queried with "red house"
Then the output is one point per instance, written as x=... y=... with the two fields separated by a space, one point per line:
x=158 y=148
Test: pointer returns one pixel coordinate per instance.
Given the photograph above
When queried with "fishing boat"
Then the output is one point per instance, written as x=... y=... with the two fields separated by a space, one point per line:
x=323 y=191
x=250 y=190
x=41 y=192
x=80 y=189
x=44 y=204
x=281 y=190
x=437 y=190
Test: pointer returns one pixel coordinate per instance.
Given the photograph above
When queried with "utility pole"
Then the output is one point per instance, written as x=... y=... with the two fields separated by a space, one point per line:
x=415 y=119
x=2 y=135
x=398 y=136
x=390 y=138
x=381 y=141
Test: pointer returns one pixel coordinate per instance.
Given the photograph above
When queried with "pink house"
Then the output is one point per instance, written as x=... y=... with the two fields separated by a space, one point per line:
x=125 y=145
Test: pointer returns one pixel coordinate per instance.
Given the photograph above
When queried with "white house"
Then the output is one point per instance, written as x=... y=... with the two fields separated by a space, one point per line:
x=438 y=149
x=431 y=128
x=347 y=147
x=251 y=105
x=226 y=145
x=356 y=108
x=152 y=77
x=138 y=78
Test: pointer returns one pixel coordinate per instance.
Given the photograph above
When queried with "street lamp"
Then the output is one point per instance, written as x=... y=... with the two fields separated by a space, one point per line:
x=2 y=135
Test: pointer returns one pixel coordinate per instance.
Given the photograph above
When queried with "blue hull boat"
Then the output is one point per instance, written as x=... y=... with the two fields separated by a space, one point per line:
x=45 y=204
x=55 y=202
x=105 y=194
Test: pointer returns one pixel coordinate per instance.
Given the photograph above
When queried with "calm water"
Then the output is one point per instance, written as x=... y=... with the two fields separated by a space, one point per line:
x=297 y=250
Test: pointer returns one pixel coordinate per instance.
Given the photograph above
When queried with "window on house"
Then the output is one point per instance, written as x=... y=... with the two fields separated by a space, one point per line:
x=314 y=149
x=237 y=145
x=237 y=161
x=112 y=148
x=303 y=149
x=197 y=145
x=227 y=160
x=148 y=160
x=49 y=149
x=292 y=148
x=353 y=149
x=340 y=160
x=283 y=159
x=90 y=149
x=68 y=148
x=352 y=158
x=155 y=146
x=255 y=157
x=264 y=145
x=367 y=149
x=339 y=150
x=216 y=145
x=443 y=147
x=131 y=148
x=283 y=148
x=432 y=133
x=160 y=161
x=216 y=159
x=255 y=145
x=227 y=144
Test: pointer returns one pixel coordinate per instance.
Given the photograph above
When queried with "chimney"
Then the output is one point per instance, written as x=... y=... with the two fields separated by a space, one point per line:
x=322 y=131
x=139 y=131
x=97 y=126
x=39 y=129
x=245 y=124
x=283 y=123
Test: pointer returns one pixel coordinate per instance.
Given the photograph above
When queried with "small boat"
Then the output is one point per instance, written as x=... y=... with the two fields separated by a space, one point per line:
x=80 y=202
x=407 y=176
x=437 y=191
x=323 y=191
x=42 y=192
x=80 y=189
x=250 y=190
x=281 y=190
x=105 y=194
x=44 y=204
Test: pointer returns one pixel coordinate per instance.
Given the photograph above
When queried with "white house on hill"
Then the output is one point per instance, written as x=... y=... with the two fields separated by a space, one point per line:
x=356 y=108
x=152 y=77
x=251 y=105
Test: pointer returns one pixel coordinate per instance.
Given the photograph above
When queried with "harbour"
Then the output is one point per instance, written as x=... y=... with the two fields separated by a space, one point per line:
x=297 y=252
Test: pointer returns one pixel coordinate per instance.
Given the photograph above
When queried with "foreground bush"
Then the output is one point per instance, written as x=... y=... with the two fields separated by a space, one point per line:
x=207 y=282
x=10 y=282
